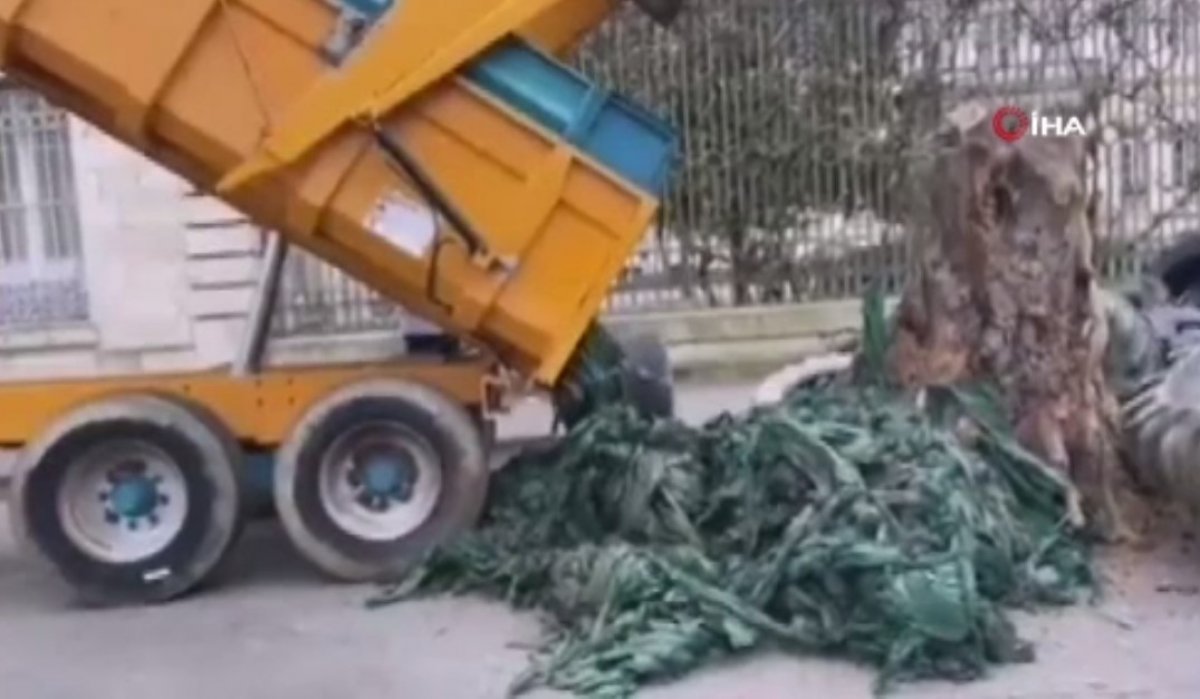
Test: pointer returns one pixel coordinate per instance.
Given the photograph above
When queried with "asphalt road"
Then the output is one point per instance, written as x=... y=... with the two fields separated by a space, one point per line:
x=271 y=630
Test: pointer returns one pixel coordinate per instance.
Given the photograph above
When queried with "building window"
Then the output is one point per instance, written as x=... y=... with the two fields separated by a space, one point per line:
x=1134 y=168
x=41 y=265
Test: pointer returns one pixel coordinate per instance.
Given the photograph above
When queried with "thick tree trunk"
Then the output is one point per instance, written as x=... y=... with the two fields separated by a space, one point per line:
x=1003 y=288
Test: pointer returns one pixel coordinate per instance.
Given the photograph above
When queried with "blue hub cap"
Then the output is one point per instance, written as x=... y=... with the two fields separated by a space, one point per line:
x=380 y=482
x=134 y=497
x=123 y=502
x=389 y=476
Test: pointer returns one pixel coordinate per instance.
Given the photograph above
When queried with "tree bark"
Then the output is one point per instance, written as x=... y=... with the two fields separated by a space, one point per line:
x=1003 y=289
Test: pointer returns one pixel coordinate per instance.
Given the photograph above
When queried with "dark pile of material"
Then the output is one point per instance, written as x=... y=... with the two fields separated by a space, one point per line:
x=846 y=521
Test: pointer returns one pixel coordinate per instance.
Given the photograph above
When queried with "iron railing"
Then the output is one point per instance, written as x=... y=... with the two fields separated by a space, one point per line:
x=316 y=298
x=800 y=119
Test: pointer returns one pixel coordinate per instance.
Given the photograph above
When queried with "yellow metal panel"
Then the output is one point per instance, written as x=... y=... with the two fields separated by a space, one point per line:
x=449 y=128
x=305 y=23
x=238 y=83
x=423 y=41
x=252 y=77
x=10 y=11
x=170 y=38
x=260 y=410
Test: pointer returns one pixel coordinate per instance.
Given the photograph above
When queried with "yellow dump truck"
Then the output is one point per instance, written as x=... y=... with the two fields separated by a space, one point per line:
x=436 y=150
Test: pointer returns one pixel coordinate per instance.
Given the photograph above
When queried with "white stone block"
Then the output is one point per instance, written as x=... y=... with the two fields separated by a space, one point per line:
x=153 y=177
x=345 y=349
x=172 y=361
x=120 y=363
x=53 y=339
x=213 y=304
x=217 y=341
x=210 y=242
x=43 y=366
x=138 y=289
x=199 y=209
x=207 y=273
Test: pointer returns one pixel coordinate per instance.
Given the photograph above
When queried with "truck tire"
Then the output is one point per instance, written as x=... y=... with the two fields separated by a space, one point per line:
x=378 y=474
x=1178 y=267
x=647 y=376
x=134 y=499
x=1162 y=433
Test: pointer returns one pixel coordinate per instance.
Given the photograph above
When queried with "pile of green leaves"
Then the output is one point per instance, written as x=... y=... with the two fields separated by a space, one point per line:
x=847 y=520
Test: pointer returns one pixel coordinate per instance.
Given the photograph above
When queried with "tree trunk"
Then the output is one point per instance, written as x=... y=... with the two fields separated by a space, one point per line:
x=1003 y=289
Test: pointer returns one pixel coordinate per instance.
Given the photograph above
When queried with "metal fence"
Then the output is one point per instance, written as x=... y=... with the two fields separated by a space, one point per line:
x=800 y=119
x=316 y=298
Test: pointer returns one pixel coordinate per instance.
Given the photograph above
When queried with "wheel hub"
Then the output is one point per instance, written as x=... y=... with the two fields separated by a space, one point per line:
x=132 y=496
x=384 y=478
x=123 y=501
x=381 y=481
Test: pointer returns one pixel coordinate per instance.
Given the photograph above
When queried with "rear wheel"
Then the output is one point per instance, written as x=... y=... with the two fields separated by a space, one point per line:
x=134 y=499
x=377 y=475
x=647 y=376
x=1179 y=269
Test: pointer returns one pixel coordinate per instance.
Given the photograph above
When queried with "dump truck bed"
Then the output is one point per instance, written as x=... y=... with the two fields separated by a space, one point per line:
x=429 y=164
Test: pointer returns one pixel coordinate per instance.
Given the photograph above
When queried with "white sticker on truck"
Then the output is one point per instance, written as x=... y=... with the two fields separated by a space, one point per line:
x=405 y=224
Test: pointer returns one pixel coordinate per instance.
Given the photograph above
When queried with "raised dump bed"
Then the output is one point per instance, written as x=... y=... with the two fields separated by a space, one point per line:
x=619 y=134
x=435 y=151
x=240 y=96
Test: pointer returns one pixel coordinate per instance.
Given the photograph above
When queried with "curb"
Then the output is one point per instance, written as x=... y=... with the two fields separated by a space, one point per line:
x=718 y=326
x=748 y=359
x=746 y=343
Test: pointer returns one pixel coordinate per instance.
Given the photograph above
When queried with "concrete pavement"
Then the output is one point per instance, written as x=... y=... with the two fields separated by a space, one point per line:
x=273 y=630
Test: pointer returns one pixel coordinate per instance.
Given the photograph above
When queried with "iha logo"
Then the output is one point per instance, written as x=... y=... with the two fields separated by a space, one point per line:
x=1012 y=123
